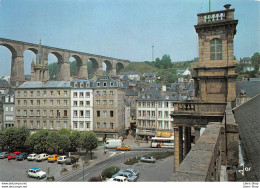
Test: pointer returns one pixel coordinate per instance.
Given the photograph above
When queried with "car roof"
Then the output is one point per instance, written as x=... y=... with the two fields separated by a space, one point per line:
x=34 y=168
x=120 y=177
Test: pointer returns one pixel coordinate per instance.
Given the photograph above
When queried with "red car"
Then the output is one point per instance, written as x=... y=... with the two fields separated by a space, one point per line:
x=14 y=154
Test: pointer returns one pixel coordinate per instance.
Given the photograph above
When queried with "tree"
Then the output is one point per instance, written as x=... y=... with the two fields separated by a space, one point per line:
x=52 y=141
x=64 y=142
x=2 y=144
x=53 y=70
x=22 y=134
x=9 y=138
x=88 y=141
x=40 y=142
x=64 y=131
x=256 y=61
x=166 y=61
x=74 y=139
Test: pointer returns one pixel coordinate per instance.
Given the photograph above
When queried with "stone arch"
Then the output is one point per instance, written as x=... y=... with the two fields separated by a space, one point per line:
x=79 y=68
x=58 y=56
x=109 y=67
x=34 y=50
x=119 y=67
x=93 y=67
x=11 y=48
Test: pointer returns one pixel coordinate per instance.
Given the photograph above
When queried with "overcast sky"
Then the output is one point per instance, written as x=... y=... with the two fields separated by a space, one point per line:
x=124 y=29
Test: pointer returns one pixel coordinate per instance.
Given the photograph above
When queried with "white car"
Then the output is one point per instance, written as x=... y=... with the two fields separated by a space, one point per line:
x=118 y=179
x=31 y=157
x=42 y=157
x=36 y=173
x=62 y=159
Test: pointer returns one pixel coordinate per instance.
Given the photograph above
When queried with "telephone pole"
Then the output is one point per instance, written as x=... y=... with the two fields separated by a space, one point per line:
x=152 y=53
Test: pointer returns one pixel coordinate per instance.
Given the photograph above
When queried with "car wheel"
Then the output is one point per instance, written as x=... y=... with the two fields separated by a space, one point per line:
x=38 y=177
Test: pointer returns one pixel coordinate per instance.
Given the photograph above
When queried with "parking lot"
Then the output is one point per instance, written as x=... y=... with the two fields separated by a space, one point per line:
x=16 y=170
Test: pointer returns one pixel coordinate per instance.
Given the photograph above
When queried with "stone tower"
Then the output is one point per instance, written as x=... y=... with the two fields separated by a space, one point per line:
x=39 y=70
x=215 y=76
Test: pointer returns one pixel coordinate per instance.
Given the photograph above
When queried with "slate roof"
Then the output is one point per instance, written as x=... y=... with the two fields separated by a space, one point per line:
x=4 y=83
x=252 y=88
x=247 y=117
x=49 y=84
x=155 y=95
x=31 y=84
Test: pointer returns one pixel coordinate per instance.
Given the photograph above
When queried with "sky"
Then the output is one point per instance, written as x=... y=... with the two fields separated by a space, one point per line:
x=125 y=29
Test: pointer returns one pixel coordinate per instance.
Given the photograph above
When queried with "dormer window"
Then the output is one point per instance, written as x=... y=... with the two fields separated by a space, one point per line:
x=81 y=85
x=98 y=84
x=88 y=84
x=75 y=84
x=111 y=84
x=105 y=84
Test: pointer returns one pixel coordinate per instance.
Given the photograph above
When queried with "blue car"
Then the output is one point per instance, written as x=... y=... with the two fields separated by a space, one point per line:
x=128 y=175
x=148 y=159
x=21 y=156
x=132 y=171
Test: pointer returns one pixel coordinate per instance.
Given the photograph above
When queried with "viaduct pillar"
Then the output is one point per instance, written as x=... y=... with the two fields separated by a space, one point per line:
x=178 y=146
x=17 y=70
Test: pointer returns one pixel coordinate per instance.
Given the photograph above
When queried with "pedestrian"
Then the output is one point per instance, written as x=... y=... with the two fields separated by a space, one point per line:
x=9 y=158
x=105 y=152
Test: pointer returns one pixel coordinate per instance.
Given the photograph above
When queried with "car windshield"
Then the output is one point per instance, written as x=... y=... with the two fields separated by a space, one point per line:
x=30 y=155
x=60 y=158
x=51 y=156
x=38 y=170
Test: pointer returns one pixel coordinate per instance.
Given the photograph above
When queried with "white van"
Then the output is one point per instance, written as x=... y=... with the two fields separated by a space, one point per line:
x=42 y=157
x=113 y=143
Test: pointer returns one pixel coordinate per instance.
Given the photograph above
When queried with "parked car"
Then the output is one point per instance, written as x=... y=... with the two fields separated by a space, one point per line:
x=71 y=160
x=32 y=157
x=123 y=148
x=42 y=157
x=118 y=179
x=149 y=159
x=62 y=159
x=128 y=175
x=36 y=173
x=21 y=156
x=132 y=171
x=53 y=158
x=4 y=155
x=14 y=154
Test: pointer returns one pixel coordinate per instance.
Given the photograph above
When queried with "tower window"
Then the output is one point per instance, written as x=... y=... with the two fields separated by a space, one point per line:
x=215 y=49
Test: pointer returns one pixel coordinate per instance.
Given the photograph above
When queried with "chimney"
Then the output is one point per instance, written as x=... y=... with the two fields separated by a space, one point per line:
x=227 y=6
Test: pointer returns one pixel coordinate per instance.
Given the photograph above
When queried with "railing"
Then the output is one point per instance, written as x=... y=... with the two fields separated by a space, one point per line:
x=216 y=16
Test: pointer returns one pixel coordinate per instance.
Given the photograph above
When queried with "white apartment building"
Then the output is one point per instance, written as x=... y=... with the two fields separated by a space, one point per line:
x=153 y=113
x=81 y=106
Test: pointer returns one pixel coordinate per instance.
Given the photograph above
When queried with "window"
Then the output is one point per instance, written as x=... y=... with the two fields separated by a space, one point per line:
x=172 y=104
x=25 y=93
x=25 y=102
x=75 y=124
x=75 y=94
x=105 y=93
x=18 y=113
x=25 y=123
x=87 y=114
x=98 y=102
x=38 y=112
x=19 y=94
x=51 y=93
x=87 y=94
x=98 y=84
x=215 y=49
x=65 y=123
x=111 y=93
x=65 y=93
x=81 y=94
x=81 y=124
x=65 y=113
x=38 y=102
x=11 y=108
x=144 y=113
x=75 y=103
x=160 y=104
x=38 y=93
x=111 y=113
x=111 y=125
x=87 y=103
x=51 y=101
x=166 y=104
x=81 y=103
x=160 y=124
x=81 y=113
x=104 y=125
x=139 y=113
x=58 y=124
x=31 y=93
x=31 y=124
x=9 y=118
x=44 y=93
x=166 y=114
x=6 y=109
x=44 y=102
x=75 y=113
x=44 y=113
x=25 y=113
x=111 y=102
x=98 y=124
x=104 y=113
x=148 y=104
x=31 y=112
x=98 y=113
x=160 y=113
x=65 y=102
x=58 y=93
x=51 y=112
x=58 y=113
x=104 y=102
x=166 y=125
x=144 y=104
x=87 y=125
x=51 y=124
x=44 y=125
x=18 y=102
x=139 y=104
x=58 y=102
x=105 y=84
x=97 y=93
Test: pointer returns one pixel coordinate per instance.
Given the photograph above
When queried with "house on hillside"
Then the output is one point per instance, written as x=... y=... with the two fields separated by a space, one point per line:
x=149 y=74
x=183 y=72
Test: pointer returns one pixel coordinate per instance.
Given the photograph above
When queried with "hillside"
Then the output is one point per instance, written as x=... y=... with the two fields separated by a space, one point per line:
x=139 y=67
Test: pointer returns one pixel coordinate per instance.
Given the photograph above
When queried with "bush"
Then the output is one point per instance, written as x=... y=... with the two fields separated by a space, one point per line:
x=132 y=161
x=95 y=179
x=161 y=155
x=109 y=172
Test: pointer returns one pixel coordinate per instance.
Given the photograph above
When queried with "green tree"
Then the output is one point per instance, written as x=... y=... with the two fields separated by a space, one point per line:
x=90 y=71
x=22 y=134
x=30 y=142
x=53 y=70
x=10 y=135
x=2 y=144
x=64 y=142
x=256 y=61
x=52 y=141
x=75 y=139
x=73 y=68
x=88 y=141
x=40 y=140
x=166 y=61
x=64 y=131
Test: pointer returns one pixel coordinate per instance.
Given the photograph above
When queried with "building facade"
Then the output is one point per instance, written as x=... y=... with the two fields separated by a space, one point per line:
x=8 y=110
x=109 y=108
x=153 y=113
x=43 y=106
x=82 y=106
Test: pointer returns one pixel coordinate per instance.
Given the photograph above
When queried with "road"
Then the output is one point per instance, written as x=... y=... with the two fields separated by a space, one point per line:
x=159 y=171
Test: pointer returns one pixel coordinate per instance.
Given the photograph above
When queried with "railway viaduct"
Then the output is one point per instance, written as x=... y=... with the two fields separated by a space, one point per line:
x=17 y=49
